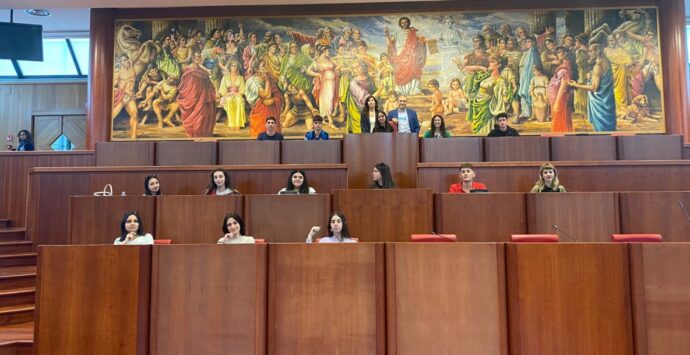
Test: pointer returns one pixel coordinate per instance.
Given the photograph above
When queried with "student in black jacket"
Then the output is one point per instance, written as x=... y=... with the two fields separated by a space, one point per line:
x=501 y=128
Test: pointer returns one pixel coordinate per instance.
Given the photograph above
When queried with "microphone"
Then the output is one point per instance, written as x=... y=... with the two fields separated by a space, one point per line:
x=443 y=236
x=571 y=238
x=682 y=207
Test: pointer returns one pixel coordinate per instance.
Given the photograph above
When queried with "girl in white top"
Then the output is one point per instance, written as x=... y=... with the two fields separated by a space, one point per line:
x=220 y=184
x=151 y=185
x=132 y=231
x=297 y=184
x=337 y=232
x=233 y=227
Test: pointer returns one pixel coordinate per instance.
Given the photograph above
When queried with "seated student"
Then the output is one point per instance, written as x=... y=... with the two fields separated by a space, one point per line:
x=26 y=142
x=467 y=183
x=438 y=128
x=501 y=128
x=382 y=177
x=220 y=184
x=132 y=231
x=548 y=180
x=297 y=184
x=151 y=185
x=337 y=231
x=316 y=134
x=233 y=227
x=382 y=124
x=270 y=134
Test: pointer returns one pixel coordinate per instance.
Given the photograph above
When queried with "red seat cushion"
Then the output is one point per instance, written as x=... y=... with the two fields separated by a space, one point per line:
x=434 y=238
x=534 y=238
x=162 y=241
x=259 y=241
x=636 y=238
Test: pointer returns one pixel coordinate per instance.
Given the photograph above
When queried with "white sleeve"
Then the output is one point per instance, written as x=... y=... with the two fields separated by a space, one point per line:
x=312 y=190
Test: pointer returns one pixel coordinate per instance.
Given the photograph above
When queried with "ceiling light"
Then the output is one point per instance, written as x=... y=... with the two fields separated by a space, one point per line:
x=38 y=12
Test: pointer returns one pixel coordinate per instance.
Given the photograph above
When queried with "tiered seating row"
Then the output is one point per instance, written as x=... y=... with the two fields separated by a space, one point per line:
x=384 y=216
x=367 y=298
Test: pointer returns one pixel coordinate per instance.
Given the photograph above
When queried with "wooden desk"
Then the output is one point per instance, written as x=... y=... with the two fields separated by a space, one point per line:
x=585 y=216
x=96 y=220
x=179 y=153
x=248 y=152
x=208 y=299
x=527 y=148
x=655 y=212
x=446 y=298
x=125 y=153
x=286 y=218
x=491 y=217
x=458 y=149
x=650 y=147
x=661 y=294
x=326 y=299
x=194 y=219
x=14 y=167
x=362 y=151
x=569 y=299
x=48 y=203
x=311 y=152
x=584 y=148
x=386 y=215
x=93 y=300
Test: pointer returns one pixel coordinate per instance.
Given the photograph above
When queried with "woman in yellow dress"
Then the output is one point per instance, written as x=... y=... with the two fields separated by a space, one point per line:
x=231 y=91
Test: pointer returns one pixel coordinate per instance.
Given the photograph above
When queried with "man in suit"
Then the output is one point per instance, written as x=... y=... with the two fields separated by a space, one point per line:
x=404 y=117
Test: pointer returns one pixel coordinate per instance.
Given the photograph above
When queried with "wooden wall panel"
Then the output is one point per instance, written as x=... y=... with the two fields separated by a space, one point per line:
x=74 y=127
x=285 y=218
x=362 y=151
x=46 y=129
x=655 y=212
x=125 y=153
x=386 y=215
x=583 y=148
x=309 y=315
x=529 y=148
x=248 y=152
x=446 y=299
x=175 y=153
x=96 y=220
x=480 y=217
x=194 y=219
x=650 y=147
x=575 y=176
x=459 y=149
x=18 y=102
x=584 y=216
x=209 y=299
x=93 y=300
x=660 y=295
x=569 y=299
x=14 y=177
x=311 y=152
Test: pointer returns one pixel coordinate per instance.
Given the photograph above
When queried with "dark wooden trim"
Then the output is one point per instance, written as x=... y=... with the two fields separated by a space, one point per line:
x=100 y=84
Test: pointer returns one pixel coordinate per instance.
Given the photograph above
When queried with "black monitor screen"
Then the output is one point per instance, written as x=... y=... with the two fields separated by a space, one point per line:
x=21 y=41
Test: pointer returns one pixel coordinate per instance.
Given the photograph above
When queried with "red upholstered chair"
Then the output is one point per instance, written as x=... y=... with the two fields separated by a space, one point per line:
x=534 y=238
x=162 y=241
x=434 y=238
x=259 y=241
x=636 y=238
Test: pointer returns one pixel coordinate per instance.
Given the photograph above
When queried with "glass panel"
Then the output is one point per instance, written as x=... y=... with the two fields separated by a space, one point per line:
x=57 y=60
x=62 y=143
x=6 y=68
x=81 y=50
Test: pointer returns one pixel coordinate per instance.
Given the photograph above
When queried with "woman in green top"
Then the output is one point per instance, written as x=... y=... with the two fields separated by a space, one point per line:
x=438 y=128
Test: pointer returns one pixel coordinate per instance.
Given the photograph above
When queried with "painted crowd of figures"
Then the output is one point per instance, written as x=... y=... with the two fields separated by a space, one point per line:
x=186 y=78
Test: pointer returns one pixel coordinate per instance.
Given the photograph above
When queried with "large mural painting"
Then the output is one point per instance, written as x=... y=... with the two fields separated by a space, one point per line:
x=572 y=71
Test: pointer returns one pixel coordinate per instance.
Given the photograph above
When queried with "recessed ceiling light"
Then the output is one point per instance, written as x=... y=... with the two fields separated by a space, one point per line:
x=38 y=12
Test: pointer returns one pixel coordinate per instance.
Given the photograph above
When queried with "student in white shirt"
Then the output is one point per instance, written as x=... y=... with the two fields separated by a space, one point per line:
x=233 y=227
x=337 y=231
x=297 y=184
x=132 y=231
